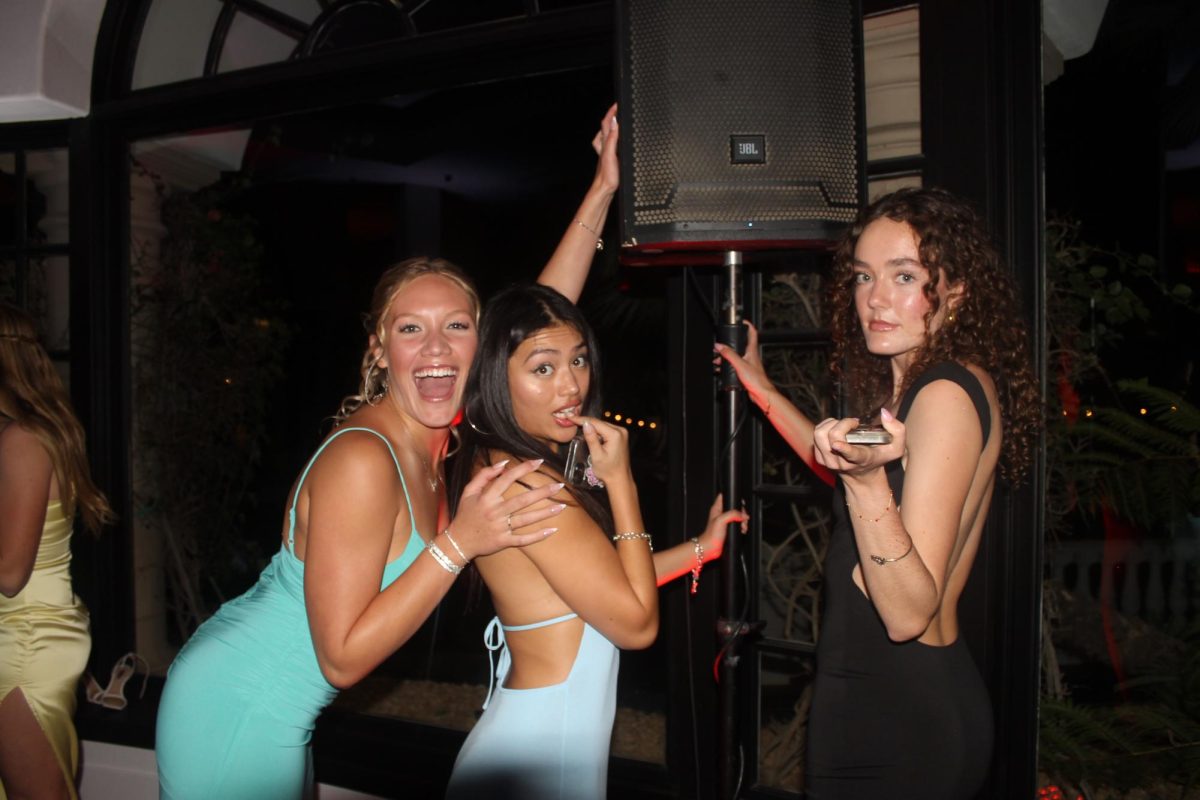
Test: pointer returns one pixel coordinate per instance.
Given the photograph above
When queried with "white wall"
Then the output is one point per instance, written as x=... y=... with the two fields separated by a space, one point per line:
x=115 y=772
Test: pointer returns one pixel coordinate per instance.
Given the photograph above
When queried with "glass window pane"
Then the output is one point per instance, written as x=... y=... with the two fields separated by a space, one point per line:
x=892 y=78
x=795 y=299
x=32 y=274
x=48 y=172
x=252 y=43
x=785 y=694
x=881 y=186
x=794 y=538
x=302 y=10
x=174 y=42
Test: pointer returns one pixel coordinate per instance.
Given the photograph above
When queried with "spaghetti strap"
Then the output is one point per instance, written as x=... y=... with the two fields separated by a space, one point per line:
x=533 y=625
x=291 y=540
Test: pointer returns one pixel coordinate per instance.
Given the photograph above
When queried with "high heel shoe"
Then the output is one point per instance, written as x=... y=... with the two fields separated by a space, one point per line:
x=113 y=695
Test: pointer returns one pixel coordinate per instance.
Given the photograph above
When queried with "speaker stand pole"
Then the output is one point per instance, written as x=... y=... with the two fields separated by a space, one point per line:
x=729 y=626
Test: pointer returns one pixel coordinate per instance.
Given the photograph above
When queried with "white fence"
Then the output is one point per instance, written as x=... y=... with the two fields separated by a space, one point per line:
x=1156 y=580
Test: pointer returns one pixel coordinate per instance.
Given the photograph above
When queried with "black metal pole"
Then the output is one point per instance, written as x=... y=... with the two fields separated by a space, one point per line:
x=731 y=332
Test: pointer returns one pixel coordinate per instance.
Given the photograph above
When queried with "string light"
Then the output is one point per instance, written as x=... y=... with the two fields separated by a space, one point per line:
x=631 y=421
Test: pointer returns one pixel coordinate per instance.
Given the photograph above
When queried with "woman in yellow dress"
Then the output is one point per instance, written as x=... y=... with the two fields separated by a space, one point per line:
x=44 y=638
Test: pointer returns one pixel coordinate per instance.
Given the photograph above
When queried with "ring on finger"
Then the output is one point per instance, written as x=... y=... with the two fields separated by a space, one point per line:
x=508 y=519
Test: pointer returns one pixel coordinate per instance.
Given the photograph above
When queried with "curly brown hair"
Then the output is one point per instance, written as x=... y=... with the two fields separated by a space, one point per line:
x=985 y=330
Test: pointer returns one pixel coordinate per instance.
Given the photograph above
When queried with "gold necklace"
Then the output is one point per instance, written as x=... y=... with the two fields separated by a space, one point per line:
x=431 y=476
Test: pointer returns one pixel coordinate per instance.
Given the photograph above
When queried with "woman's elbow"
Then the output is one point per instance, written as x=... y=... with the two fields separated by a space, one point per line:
x=340 y=676
x=638 y=638
x=908 y=628
x=11 y=583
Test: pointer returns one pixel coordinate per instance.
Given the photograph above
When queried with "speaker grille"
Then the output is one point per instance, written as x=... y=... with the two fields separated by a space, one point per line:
x=698 y=72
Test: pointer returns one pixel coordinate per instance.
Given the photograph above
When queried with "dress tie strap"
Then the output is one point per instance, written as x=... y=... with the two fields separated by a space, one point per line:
x=493 y=639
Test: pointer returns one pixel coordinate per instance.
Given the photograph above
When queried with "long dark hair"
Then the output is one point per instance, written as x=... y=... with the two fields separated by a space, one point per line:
x=489 y=424
x=986 y=329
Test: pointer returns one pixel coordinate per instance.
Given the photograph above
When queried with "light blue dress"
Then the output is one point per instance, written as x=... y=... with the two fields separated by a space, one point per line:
x=549 y=743
x=243 y=695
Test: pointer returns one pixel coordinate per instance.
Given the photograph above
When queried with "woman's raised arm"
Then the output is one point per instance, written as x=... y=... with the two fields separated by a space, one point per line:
x=568 y=267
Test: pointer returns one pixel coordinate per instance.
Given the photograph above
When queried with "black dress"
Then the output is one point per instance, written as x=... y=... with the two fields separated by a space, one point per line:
x=893 y=720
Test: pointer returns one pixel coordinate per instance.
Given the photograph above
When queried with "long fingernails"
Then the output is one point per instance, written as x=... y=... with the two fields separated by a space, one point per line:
x=587 y=425
x=558 y=507
x=548 y=531
x=557 y=486
x=537 y=462
x=501 y=464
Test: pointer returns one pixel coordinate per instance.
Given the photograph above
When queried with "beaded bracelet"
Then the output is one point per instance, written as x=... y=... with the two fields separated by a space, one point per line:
x=699 y=565
x=630 y=535
x=442 y=558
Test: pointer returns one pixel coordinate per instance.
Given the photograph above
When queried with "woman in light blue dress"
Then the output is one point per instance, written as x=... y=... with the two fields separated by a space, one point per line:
x=565 y=605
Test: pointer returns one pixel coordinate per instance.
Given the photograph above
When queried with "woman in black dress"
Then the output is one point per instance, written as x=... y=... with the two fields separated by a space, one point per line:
x=928 y=343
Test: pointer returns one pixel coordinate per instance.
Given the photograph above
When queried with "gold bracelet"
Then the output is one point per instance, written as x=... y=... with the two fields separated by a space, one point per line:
x=633 y=536
x=880 y=560
x=699 y=565
x=886 y=509
x=592 y=231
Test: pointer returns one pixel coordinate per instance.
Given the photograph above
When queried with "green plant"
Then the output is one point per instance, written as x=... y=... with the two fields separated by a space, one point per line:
x=207 y=348
x=1103 y=449
x=1119 y=448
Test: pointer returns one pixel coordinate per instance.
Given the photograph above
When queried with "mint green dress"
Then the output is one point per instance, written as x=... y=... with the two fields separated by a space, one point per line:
x=243 y=695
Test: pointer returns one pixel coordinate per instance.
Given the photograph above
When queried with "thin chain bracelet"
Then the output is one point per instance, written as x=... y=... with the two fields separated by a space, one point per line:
x=699 y=565
x=457 y=549
x=631 y=536
x=886 y=509
x=592 y=231
x=442 y=558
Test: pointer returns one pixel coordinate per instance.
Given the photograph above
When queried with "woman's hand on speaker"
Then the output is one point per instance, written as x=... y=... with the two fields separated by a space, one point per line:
x=608 y=168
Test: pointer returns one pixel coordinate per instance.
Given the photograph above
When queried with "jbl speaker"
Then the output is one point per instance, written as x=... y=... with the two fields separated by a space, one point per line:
x=741 y=124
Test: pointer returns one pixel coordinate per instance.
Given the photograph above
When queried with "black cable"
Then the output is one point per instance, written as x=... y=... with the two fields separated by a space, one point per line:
x=687 y=606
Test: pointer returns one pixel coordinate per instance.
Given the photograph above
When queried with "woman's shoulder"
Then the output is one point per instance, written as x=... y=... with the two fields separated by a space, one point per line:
x=352 y=454
x=969 y=377
x=17 y=435
x=950 y=393
x=542 y=476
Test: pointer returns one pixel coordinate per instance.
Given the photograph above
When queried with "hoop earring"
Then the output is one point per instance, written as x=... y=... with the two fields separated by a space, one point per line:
x=382 y=386
x=474 y=427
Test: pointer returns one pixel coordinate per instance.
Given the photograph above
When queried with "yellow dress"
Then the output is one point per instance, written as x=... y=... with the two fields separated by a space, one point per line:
x=45 y=642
